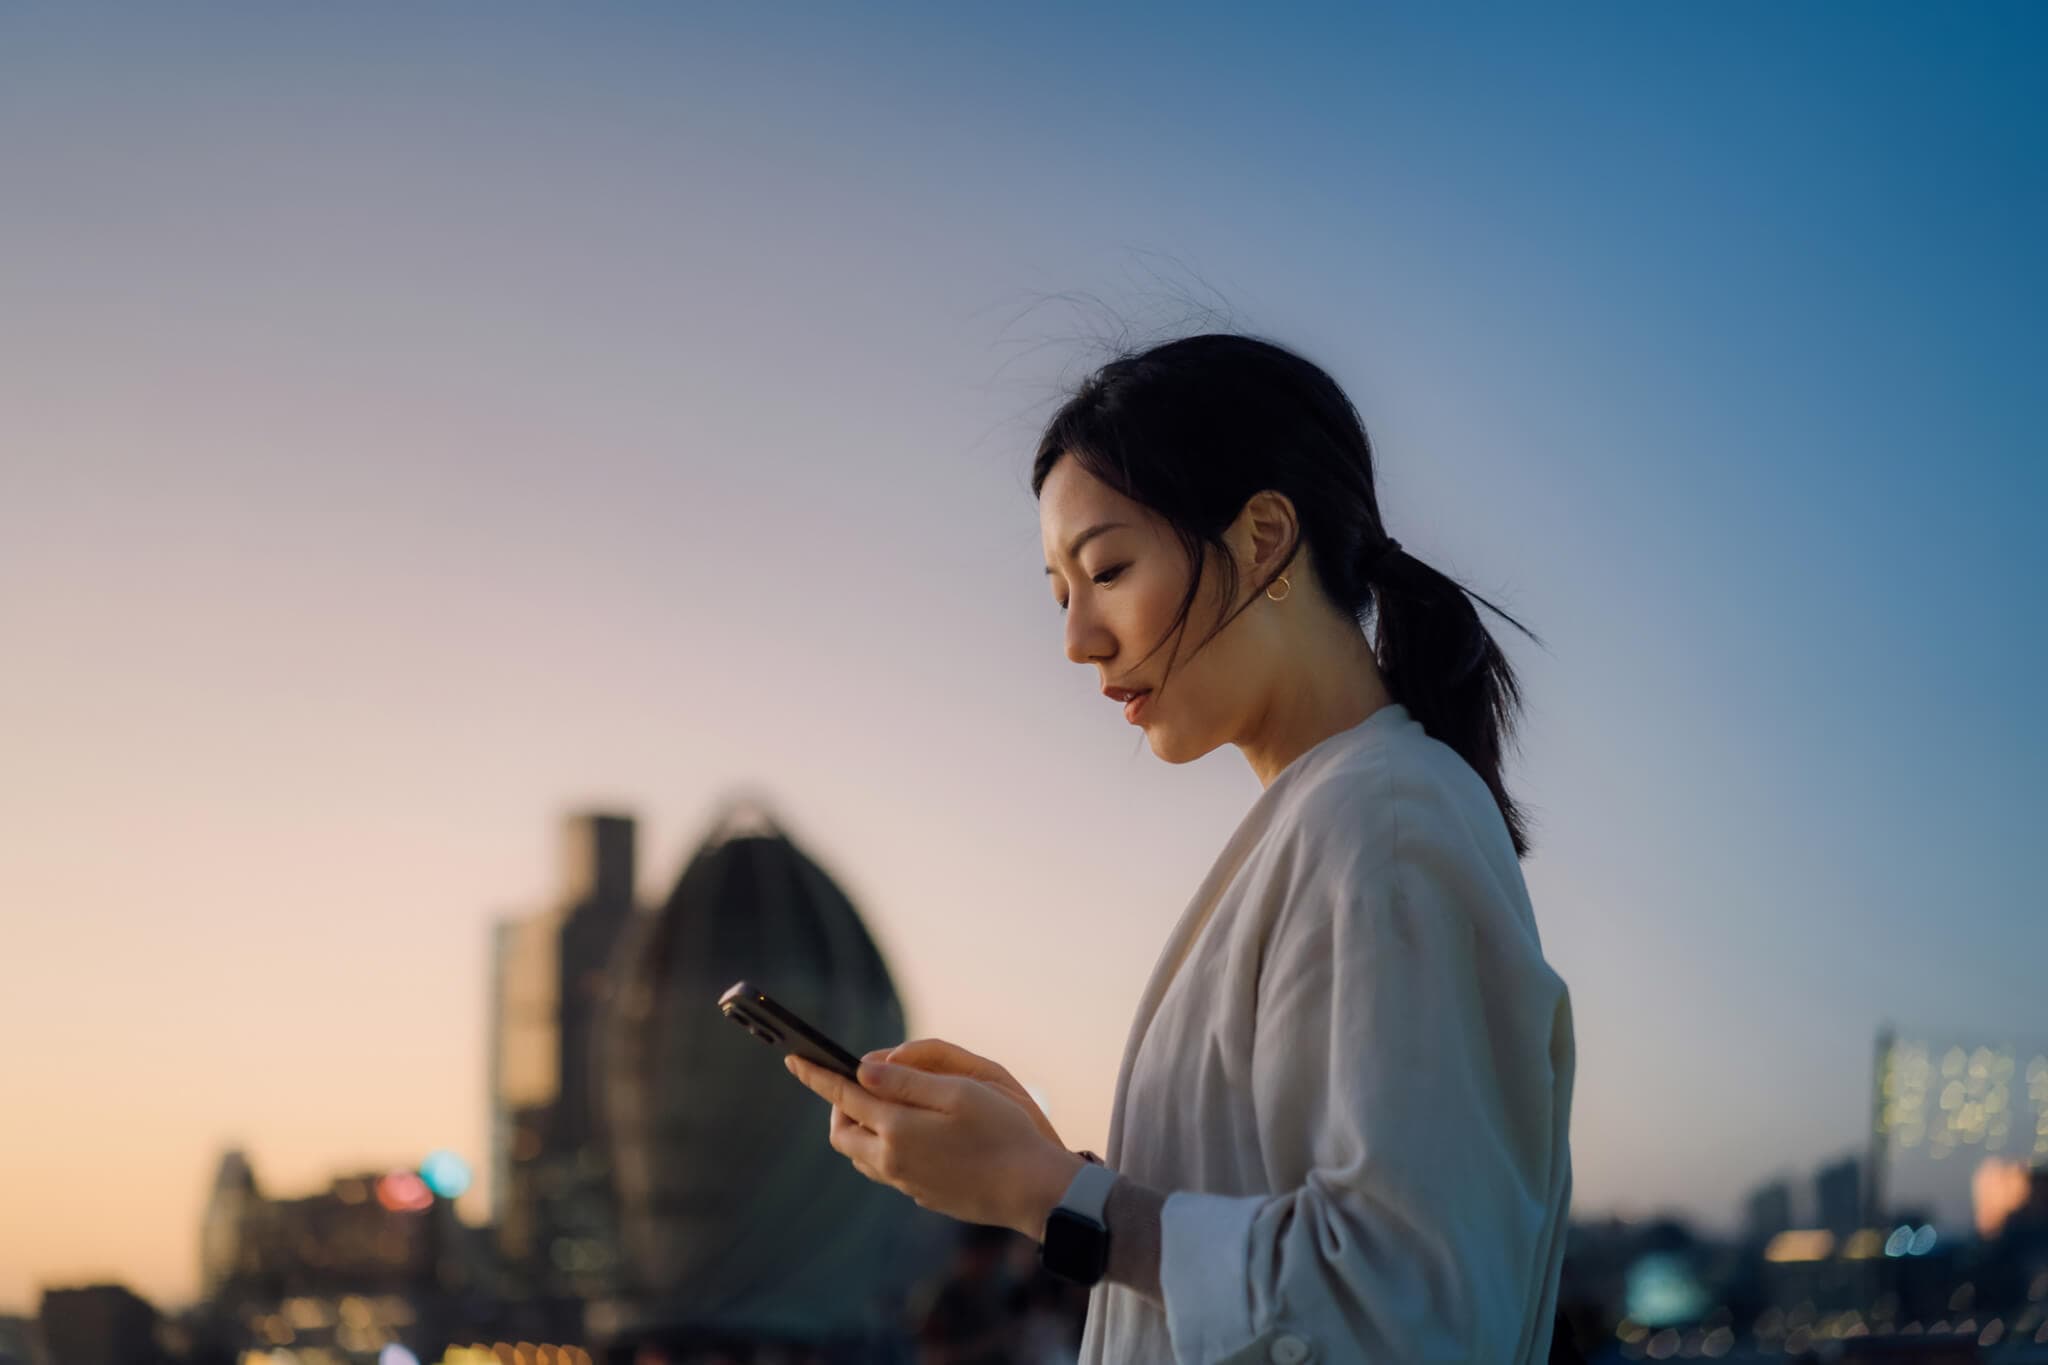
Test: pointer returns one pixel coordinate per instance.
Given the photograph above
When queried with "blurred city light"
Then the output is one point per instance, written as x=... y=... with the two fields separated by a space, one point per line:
x=1801 y=1244
x=1664 y=1288
x=445 y=1173
x=404 y=1192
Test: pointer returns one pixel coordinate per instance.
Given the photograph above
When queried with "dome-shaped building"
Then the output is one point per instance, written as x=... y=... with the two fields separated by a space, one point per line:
x=737 y=1216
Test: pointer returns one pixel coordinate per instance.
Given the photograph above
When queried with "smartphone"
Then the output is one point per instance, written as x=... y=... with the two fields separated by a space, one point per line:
x=777 y=1025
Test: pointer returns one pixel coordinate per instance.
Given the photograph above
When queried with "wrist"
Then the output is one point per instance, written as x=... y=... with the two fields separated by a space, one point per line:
x=1047 y=1189
x=1133 y=1213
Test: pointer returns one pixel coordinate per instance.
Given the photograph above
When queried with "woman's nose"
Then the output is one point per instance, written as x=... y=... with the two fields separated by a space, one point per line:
x=1086 y=640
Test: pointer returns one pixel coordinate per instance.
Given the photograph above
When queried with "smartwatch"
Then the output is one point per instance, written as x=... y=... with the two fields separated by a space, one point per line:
x=1076 y=1246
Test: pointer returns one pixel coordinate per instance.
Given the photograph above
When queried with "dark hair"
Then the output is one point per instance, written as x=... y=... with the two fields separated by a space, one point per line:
x=1193 y=428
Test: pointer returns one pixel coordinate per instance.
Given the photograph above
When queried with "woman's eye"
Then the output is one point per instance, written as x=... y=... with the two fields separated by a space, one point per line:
x=1105 y=578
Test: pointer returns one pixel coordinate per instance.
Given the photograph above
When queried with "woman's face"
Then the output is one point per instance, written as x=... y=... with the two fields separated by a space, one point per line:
x=1121 y=588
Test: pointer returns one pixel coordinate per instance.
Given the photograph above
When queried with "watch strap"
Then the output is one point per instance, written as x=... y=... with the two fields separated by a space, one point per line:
x=1088 y=1193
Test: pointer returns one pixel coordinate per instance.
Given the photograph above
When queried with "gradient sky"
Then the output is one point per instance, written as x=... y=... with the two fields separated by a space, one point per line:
x=418 y=423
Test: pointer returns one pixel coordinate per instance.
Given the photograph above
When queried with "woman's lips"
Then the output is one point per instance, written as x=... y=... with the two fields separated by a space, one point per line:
x=1135 y=707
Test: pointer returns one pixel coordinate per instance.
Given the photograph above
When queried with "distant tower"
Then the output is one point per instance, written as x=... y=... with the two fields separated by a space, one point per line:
x=553 y=1201
x=504 y=945
x=597 y=901
x=1767 y=1211
x=1881 y=1086
x=228 y=1253
x=1837 y=1196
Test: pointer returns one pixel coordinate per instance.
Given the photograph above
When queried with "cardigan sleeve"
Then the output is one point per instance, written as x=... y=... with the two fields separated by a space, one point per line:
x=1405 y=1066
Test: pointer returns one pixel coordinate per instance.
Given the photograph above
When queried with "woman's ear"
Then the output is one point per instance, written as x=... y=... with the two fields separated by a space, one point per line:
x=1264 y=529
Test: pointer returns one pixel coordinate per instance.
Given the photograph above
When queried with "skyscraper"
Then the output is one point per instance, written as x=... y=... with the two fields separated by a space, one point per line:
x=1879 y=1160
x=1838 y=1197
x=554 y=1206
x=229 y=1247
x=1768 y=1211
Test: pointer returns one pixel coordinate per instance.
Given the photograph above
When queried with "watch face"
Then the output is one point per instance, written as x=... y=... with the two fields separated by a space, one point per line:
x=1076 y=1247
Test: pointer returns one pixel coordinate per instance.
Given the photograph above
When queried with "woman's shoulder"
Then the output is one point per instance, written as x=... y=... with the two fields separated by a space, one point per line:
x=1402 y=807
x=1397 y=783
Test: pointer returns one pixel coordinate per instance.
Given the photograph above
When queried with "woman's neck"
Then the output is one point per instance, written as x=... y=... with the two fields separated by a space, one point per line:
x=1333 y=688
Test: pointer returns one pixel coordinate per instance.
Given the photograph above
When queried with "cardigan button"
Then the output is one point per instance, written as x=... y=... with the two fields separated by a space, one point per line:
x=1288 y=1350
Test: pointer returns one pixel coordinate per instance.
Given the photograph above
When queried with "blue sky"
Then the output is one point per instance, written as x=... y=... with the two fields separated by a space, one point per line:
x=414 y=423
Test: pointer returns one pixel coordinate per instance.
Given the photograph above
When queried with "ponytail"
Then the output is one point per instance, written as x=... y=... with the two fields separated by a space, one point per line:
x=1441 y=663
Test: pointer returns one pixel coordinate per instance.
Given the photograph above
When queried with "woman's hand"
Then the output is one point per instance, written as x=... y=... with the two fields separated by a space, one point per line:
x=938 y=1055
x=954 y=1144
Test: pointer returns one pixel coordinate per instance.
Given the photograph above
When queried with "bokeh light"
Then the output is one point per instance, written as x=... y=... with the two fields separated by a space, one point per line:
x=404 y=1192
x=445 y=1173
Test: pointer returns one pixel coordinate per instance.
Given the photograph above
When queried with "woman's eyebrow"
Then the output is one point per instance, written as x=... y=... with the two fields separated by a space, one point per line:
x=1087 y=536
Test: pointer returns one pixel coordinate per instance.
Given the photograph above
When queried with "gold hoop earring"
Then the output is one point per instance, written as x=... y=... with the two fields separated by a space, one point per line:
x=1285 y=588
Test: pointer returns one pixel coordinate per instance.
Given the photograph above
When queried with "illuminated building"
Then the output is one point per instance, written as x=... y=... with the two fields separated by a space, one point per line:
x=365 y=1233
x=374 y=1232
x=376 y=1259
x=1942 y=1105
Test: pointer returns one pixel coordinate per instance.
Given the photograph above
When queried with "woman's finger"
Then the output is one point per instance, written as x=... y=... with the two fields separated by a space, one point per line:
x=936 y=1054
x=860 y=1146
x=842 y=1119
x=894 y=1084
x=830 y=1085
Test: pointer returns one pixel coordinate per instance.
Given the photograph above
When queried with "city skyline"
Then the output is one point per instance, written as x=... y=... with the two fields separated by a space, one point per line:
x=577 y=879
x=417 y=425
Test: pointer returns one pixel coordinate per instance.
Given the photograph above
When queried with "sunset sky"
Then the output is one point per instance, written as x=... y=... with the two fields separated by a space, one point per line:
x=419 y=423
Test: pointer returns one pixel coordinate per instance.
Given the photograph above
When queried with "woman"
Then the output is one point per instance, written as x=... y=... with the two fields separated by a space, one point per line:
x=1340 y=1130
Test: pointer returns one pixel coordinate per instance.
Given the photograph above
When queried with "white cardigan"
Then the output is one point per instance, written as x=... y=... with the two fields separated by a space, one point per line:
x=1351 y=1073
